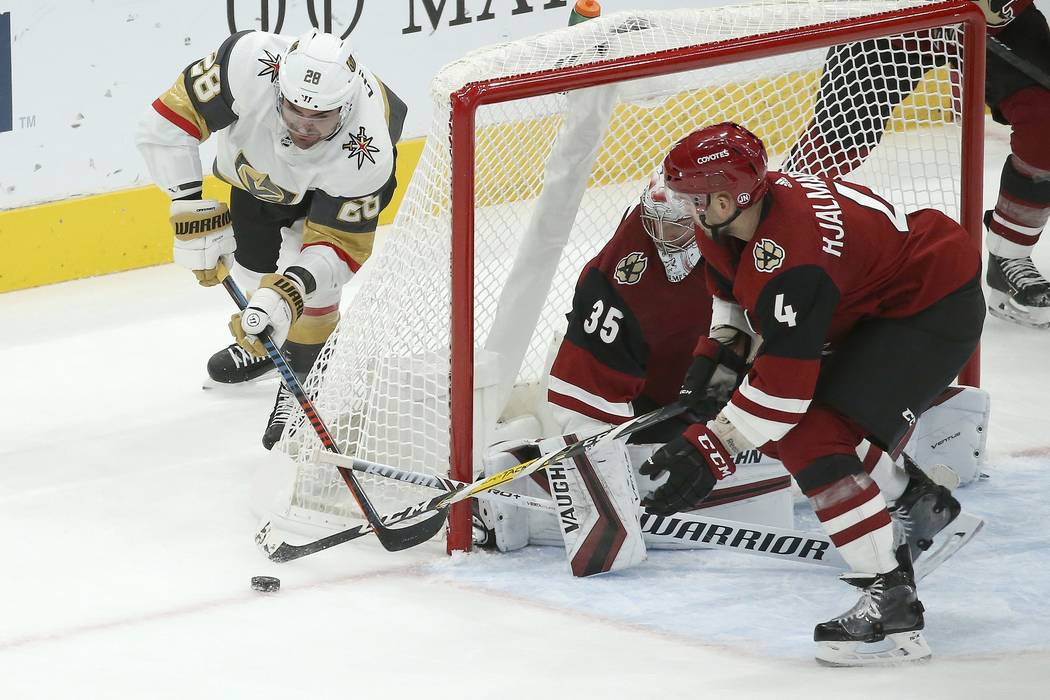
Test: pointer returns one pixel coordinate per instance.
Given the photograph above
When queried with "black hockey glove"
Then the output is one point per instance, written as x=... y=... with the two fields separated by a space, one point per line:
x=711 y=379
x=696 y=460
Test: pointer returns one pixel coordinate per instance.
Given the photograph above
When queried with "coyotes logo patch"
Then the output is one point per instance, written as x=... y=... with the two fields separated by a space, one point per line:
x=997 y=13
x=768 y=255
x=629 y=270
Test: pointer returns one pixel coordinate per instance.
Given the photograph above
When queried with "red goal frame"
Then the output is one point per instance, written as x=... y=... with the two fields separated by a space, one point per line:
x=467 y=100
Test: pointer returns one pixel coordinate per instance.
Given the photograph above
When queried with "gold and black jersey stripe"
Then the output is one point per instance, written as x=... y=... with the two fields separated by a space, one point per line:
x=347 y=223
x=201 y=101
x=396 y=111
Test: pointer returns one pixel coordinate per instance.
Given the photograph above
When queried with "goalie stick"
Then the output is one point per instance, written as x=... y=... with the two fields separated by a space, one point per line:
x=440 y=504
x=392 y=539
x=700 y=531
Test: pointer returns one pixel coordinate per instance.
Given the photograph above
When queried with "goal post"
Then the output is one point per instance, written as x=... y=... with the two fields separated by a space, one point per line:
x=537 y=147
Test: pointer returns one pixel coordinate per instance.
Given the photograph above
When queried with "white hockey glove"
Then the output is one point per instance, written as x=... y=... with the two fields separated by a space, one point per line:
x=275 y=305
x=203 y=236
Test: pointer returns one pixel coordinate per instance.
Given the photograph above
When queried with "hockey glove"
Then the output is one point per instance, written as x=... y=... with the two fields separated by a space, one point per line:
x=695 y=461
x=203 y=236
x=275 y=305
x=711 y=379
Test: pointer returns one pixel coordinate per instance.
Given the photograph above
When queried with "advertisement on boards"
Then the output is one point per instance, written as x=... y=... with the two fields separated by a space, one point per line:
x=77 y=74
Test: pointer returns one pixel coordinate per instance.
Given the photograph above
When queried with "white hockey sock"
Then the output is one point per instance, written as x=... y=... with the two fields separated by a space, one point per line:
x=853 y=513
x=891 y=478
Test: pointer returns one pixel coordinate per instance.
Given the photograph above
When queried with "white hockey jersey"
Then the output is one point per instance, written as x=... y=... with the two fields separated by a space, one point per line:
x=349 y=177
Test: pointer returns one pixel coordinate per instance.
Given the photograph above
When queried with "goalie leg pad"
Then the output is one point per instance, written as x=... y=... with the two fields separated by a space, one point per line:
x=952 y=432
x=597 y=502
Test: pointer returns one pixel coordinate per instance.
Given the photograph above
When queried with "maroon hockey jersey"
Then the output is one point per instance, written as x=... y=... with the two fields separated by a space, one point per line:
x=631 y=331
x=826 y=255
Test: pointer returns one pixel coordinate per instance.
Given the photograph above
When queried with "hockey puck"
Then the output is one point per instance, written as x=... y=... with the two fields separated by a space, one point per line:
x=266 y=584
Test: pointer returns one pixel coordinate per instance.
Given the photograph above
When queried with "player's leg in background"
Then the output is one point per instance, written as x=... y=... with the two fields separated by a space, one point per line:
x=1018 y=292
x=861 y=84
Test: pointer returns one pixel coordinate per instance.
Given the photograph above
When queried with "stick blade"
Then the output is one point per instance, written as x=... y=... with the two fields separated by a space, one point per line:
x=281 y=551
x=399 y=538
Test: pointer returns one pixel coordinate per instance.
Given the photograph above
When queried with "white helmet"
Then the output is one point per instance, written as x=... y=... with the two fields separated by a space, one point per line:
x=319 y=74
x=665 y=218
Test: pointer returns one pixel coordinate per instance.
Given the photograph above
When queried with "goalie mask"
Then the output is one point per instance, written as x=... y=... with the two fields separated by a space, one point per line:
x=316 y=88
x=725 y=157
x=670 y=224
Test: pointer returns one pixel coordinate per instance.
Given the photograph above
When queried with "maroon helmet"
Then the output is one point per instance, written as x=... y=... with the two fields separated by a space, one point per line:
x=725 y=157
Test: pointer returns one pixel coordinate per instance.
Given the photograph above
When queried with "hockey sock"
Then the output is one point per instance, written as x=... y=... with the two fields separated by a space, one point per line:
x=891 y=478
x=1020 y=212
x=852 y=510
x=307 y=337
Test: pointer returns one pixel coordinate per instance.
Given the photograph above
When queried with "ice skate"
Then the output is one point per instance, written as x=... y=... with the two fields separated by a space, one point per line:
x=233 y=365
x=884 y=627
x=923 y=510
x=282 y=411
x=1017 y=292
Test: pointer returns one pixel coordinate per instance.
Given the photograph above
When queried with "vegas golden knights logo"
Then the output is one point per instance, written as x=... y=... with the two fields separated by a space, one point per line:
x=259 y=183
x=768 y=255
x=629 y=270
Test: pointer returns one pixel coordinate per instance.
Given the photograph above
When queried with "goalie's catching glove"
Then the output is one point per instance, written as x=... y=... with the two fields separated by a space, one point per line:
x=275 y=305
x=203 y=236
x=695 y=460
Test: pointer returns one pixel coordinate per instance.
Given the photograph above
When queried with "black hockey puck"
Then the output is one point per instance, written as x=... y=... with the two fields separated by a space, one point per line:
x=266 y=584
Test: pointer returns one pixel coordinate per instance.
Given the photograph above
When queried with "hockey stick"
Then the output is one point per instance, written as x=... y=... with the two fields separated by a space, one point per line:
x=696 y=530
x=690 y=530
x=392 y=539
x=1008 y=55
x=440 y=483
x=286 y=552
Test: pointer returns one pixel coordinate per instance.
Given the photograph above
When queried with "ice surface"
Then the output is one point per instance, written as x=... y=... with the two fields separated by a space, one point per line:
x=127 y=550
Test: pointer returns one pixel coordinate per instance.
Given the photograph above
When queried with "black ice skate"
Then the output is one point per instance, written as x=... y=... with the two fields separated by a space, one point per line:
x=923 y=510
x=884 y=627
x=282 y=411
x=235 y=365
x=1017 y=292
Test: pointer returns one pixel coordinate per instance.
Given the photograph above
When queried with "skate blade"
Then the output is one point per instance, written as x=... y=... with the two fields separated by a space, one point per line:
x=947 y=542
x=1002 y=306
x=265 y=379
x=899 y=648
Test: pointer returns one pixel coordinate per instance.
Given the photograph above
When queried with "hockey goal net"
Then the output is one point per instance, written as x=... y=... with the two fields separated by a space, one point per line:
x=536 y=149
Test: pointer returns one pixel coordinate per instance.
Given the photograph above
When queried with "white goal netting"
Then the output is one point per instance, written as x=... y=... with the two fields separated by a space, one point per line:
x=552 y=174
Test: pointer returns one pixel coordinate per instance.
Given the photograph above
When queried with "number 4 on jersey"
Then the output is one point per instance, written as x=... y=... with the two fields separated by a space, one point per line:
x=783 y=312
